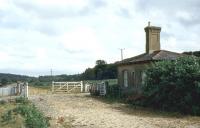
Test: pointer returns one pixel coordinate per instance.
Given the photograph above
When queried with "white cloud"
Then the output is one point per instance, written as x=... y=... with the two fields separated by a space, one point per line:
x=70 y=35
x=81 y=38
x=4 y=56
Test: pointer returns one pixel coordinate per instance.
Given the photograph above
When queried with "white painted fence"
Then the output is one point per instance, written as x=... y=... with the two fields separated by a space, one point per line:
x=67 y=87
x=18 y=89
x=98 y=89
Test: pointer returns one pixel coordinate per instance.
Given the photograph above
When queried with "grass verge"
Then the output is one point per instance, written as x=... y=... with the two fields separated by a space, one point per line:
x=21 y=113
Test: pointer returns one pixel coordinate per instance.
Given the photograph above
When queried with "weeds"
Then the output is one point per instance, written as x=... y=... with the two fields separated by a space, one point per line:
x=6 y=117
x=22 y=100
x=32 y=117
x=2 y=102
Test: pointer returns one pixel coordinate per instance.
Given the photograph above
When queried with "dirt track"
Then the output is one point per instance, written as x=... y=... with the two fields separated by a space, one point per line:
x=82 y=111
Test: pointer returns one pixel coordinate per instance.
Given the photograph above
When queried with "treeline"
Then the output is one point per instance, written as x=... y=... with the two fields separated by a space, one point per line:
x=195 y=53
x=100 y=71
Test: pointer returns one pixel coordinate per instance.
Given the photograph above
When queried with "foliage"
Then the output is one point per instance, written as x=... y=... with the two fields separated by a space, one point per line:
x=4 y=81
x=195 y=53
x=113 y=91
x=33 y=118
x=26 y=112
x=10 y=78
x=174 y=85
x=101 y=71
x=89 y=74
x=101 y=62
x=6 y=117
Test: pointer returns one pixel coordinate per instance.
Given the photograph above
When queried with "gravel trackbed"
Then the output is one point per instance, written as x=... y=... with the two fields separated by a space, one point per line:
x=83 y=111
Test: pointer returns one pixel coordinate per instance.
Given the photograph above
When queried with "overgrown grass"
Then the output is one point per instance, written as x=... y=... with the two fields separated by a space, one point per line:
x=9 y=119
x=22 y=109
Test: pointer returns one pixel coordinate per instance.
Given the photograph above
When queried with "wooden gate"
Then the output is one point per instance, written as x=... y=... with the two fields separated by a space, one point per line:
x=67 y=87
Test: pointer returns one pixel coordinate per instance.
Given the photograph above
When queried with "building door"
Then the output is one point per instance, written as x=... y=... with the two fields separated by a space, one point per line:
x=125 y=78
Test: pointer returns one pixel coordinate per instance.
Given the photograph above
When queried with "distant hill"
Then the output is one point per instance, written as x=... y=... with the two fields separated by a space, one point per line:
x=10 y=78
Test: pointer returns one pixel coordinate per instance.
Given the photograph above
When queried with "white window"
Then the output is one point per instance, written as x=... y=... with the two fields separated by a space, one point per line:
x=125 y=78
x=143 y=77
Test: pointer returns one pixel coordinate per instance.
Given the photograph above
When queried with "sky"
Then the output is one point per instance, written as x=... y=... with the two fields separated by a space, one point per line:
x=68 y=36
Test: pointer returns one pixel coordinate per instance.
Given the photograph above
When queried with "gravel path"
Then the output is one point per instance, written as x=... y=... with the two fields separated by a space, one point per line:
x=83 y=111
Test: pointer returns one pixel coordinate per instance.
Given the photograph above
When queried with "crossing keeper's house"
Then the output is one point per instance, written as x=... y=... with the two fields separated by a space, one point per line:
x=131 y=71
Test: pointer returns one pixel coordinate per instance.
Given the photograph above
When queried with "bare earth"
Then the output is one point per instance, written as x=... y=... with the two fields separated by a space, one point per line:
x=83 y=111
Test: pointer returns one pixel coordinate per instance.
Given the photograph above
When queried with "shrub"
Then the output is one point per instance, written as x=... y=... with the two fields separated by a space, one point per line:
x=113 y=91
x=174 y=85
x=33 y=118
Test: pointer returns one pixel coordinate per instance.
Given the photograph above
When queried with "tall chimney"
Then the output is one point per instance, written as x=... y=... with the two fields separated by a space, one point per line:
x=152 y=38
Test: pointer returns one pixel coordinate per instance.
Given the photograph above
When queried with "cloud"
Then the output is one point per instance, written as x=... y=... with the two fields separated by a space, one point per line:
x=54 y=9
x=81 y=39
x=124 y=12
x=70 y=35
x=97 y=3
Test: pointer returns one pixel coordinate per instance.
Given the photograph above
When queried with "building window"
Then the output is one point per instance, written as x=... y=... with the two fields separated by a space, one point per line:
x=143 y=77
x=125 y=78
x=133 y=78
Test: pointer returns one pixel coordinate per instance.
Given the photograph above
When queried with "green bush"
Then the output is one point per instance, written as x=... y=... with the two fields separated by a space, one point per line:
x=33 y=118
x=174 y=85
x=113 y=91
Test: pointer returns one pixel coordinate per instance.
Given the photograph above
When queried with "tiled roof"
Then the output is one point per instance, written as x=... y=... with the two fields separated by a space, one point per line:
x=155 y=56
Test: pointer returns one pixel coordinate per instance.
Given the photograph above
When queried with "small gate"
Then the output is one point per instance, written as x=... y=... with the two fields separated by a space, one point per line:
x=67 y=87
x=98 y=88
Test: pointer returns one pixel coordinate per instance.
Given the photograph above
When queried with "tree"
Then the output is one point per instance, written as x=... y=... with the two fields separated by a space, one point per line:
x=101 y=62
x=195 y=53
x=88 y=74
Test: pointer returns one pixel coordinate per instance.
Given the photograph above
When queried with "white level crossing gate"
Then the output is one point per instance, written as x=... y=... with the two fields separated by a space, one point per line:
x=67 y=87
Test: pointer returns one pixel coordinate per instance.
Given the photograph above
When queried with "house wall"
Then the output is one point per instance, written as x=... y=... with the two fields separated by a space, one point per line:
x=134 y=81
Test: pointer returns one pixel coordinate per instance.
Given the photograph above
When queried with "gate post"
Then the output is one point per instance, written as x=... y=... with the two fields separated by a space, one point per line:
x=81 y=86
x=26 y=90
